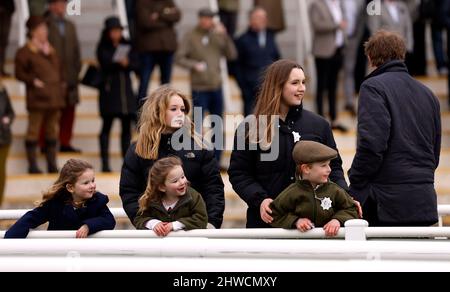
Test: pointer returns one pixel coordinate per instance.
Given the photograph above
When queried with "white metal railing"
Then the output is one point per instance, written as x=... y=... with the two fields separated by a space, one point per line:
x=355 y=230
x=443 y=210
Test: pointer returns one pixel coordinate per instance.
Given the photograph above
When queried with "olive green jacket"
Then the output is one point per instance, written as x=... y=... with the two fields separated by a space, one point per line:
x=301 y=200
x=190 y=210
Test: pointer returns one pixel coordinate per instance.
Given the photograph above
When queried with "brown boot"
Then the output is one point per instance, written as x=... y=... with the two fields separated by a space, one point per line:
x=50 y=154
x=30 y=147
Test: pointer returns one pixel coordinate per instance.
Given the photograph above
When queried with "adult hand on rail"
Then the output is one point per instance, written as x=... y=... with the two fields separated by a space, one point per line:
x=358 y=206
x=82 y=232
x=332 y=227
x=265 y=210
x=304 y=224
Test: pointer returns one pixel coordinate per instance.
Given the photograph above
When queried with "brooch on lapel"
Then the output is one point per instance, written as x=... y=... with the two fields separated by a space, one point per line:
x=325 y=203
x=190 y=155
x=296 y=136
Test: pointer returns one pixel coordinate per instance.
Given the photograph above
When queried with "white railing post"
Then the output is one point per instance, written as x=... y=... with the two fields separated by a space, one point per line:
x=355 y=230
x=121 y=12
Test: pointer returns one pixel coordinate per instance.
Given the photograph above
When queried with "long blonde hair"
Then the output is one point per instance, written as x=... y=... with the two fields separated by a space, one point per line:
x=152 y=122
x=68 y=175
x=157 y=178
x=268 y=101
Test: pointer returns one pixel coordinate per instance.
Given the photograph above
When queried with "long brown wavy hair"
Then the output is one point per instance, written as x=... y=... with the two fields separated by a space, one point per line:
x=152 y=121
x=156 y=178
x=68 y=175
x=268 y=101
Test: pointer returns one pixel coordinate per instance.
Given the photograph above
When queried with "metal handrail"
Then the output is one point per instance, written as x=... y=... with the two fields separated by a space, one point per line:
x=443 y=210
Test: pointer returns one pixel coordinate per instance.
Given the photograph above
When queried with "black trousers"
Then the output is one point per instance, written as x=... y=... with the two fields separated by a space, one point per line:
x=327 y=78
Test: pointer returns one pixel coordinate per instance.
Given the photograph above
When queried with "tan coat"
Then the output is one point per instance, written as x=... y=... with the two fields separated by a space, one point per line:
x=324 y=29
x=68 y=49
x=275 y=13
x=31 y=64
x=192 y=50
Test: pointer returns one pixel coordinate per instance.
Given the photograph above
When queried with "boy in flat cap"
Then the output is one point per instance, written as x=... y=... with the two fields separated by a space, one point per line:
x=313 y=200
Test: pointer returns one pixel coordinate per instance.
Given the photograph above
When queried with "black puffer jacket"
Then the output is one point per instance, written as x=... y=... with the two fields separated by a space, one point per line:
x=255 y=180
x=200 y=168
x=399 y=141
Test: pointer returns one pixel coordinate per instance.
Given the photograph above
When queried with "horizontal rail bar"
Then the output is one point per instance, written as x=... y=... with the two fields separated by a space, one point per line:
x=230 y=248
x=259 y=233
x=221 y=265
x=443 y=210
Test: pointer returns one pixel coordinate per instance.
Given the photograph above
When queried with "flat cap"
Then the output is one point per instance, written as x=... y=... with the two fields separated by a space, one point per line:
x=310 y=152
x=206 y=12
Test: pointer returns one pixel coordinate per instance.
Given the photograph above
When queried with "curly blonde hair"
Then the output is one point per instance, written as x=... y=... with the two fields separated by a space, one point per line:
x=68 y=175
x=152 y=121
x=156 y=178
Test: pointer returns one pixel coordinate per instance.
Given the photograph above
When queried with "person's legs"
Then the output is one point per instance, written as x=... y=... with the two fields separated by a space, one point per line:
x=51 y=139
x=350 y=57
x=104 y=142
x=322 y=76
x=147 y=65
x=216 y=109
x=4 y=149
x=165 y=62
x=66 y=129
x=35 y=119
x=126 y=133
x=201 y=105
x=438 y=45
x=334 y=68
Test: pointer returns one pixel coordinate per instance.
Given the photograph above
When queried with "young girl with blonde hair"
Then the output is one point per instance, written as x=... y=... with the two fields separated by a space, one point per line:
x=165 y=130
x=168 y=203
x=71 y=203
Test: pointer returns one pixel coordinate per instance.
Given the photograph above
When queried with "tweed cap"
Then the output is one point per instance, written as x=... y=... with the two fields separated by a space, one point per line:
x=206 y=12
x=310 y=152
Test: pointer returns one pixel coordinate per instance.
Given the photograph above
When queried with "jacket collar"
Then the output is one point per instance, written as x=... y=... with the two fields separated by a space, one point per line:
x=182 y=201
x=392 y=66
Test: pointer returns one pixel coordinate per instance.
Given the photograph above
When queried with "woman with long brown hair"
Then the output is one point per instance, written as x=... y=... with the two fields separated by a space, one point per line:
x=166 y=130
x=265 y=167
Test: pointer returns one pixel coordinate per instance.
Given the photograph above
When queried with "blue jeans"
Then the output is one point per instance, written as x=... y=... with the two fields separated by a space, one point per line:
x=148 y=61
x=212 y=102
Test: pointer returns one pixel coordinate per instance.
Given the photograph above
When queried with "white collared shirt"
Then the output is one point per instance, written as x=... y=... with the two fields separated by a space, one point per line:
x=336 y=12
x=393 y=10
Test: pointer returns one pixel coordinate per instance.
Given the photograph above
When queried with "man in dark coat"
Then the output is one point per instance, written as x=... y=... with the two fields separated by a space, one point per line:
x=399 y=140
x=257 y=49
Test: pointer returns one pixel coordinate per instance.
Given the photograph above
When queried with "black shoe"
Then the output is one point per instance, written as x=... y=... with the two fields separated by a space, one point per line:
x=69 y=149
x=339 y=127
x=106 y=168
x=34 y=170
